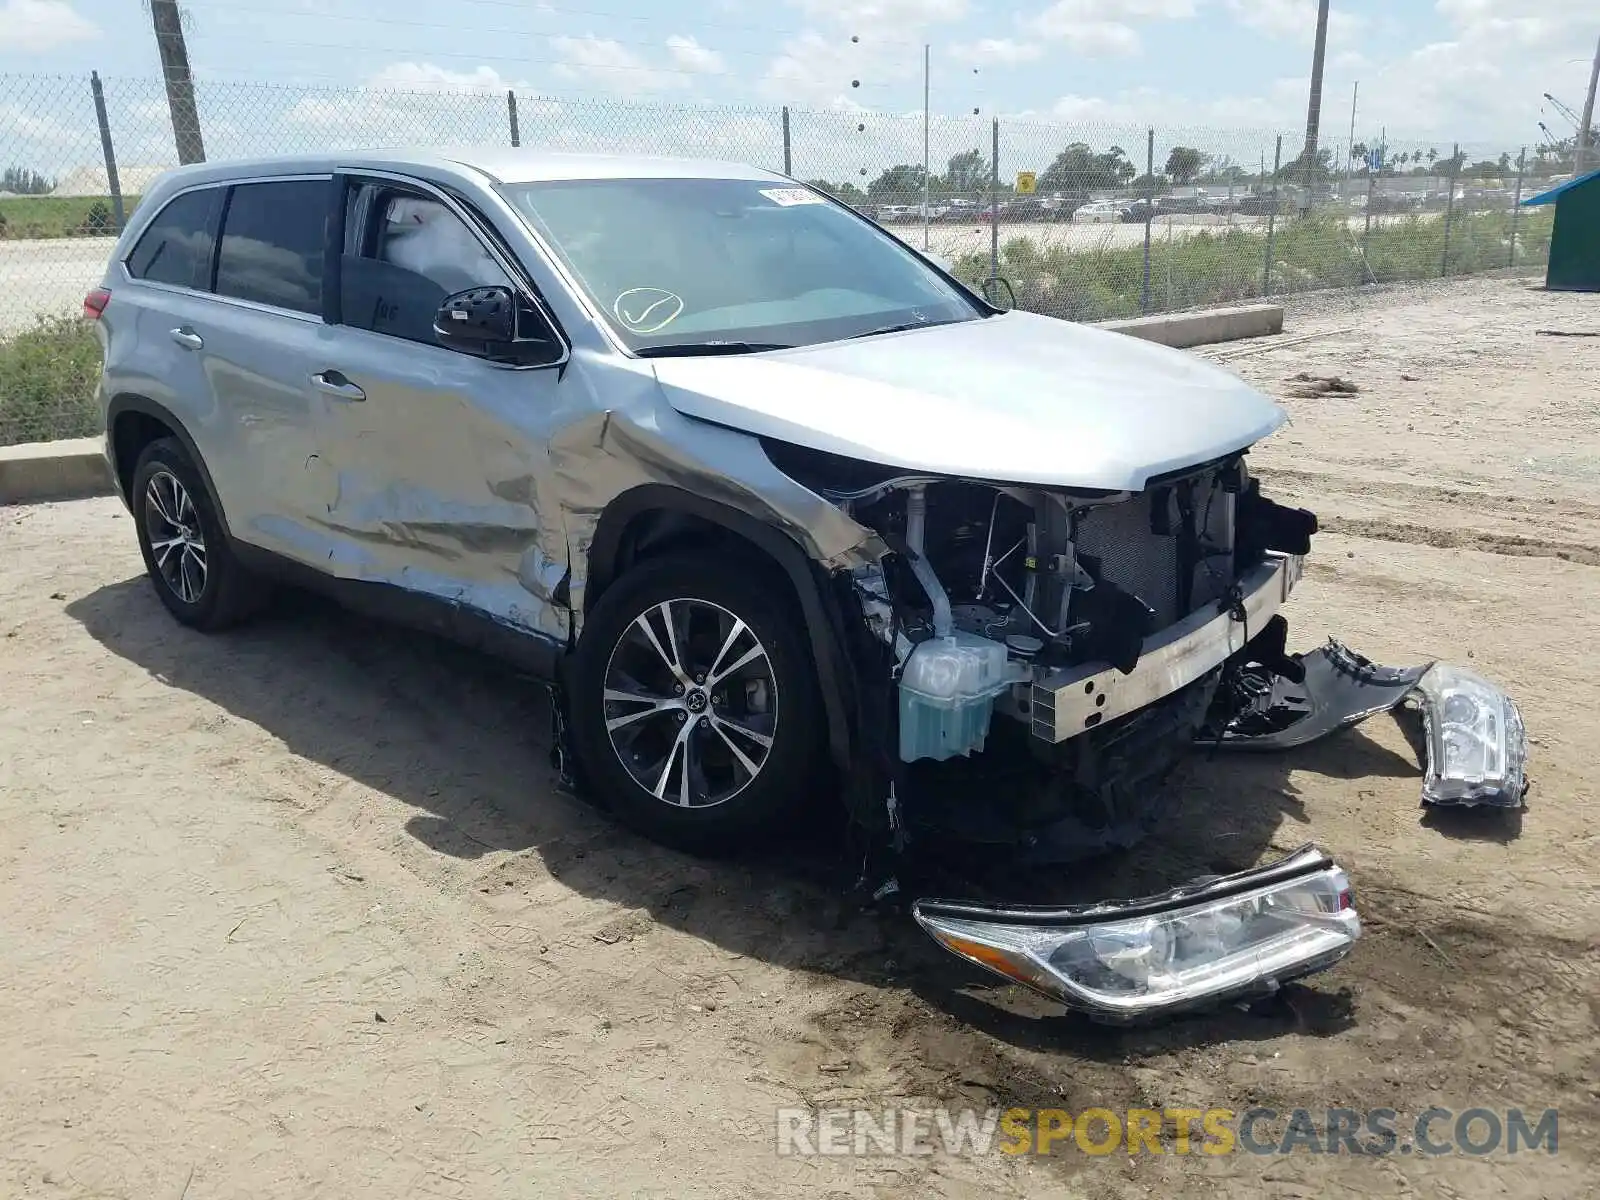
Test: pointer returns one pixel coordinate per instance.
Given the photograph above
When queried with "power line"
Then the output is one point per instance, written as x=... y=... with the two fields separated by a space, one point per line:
x=482 y=58
x=457 y=27
x=550 y=10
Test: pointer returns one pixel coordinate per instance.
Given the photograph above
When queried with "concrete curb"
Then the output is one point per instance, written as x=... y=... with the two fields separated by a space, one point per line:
x=1182 y=330
x=66 y=470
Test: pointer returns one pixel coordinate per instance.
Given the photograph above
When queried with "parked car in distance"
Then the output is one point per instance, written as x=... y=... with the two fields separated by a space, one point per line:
x=1258 y=204
x=1138 y=212
x=1097 y=212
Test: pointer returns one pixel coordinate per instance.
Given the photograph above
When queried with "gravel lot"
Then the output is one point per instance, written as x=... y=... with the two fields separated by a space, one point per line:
x=295 y=912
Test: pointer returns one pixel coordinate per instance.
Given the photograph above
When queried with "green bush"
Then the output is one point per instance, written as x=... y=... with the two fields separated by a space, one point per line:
x=1228 y=266
x=48 y=376
x=60 y=216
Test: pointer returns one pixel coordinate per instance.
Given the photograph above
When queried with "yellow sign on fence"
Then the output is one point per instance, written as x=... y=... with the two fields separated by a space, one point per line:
x=1027 y=183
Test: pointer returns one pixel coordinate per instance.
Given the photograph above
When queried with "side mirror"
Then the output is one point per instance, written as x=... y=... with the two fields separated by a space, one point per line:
x=494 y=323
x=480 y=319
x=997 y=291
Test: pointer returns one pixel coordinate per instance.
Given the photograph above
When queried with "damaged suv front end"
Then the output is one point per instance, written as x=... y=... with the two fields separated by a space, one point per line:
x=1040 y=571
x=1040 y=650
x=1054 y=652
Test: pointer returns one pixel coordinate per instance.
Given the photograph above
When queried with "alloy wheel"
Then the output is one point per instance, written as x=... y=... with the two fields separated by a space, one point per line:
x=691 y=703
x=177 y=541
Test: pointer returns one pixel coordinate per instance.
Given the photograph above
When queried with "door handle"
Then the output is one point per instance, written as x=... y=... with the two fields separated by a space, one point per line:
x=335 y=384
x=187 y=338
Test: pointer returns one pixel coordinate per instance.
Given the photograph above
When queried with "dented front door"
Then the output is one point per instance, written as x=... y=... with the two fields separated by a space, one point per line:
x=431 y=477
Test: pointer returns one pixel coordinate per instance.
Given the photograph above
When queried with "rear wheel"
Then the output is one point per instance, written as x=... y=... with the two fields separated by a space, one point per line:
x=694 y=706
x=185 y=549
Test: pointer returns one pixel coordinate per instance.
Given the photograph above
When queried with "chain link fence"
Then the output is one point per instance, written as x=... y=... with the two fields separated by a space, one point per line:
x=1082 y=221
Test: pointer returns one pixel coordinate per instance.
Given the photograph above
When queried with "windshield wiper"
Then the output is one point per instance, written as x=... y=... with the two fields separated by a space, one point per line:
x=696 y=349
x=901 y=328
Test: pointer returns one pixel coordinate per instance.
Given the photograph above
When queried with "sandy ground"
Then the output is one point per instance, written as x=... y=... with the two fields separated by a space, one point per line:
x=295 y=912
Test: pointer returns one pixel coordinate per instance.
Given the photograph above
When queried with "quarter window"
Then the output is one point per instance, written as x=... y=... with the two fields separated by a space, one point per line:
x=176 y=248
x=272 y=244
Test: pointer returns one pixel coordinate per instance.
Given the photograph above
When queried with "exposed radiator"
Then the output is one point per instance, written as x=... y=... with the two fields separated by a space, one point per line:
x=1145 y=563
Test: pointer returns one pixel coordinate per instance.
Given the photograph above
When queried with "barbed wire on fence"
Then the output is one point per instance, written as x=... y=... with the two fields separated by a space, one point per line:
x=1085 y=221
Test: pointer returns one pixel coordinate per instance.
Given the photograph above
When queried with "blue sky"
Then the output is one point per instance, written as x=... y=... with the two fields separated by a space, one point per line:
x=1439 y=69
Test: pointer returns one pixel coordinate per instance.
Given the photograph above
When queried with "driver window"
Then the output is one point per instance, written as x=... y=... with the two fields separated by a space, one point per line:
x=404 y=254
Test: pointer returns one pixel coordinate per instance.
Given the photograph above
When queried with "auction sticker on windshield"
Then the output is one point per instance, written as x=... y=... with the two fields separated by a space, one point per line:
x=790 y=196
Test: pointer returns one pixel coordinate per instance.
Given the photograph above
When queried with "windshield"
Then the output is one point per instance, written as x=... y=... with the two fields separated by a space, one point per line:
x=732 y=263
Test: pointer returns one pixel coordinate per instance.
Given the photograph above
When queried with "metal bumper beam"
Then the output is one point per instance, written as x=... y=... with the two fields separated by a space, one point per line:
x=1067 y=701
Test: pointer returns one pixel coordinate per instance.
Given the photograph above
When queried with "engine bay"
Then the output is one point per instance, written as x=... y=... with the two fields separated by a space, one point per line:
x=1051 y=578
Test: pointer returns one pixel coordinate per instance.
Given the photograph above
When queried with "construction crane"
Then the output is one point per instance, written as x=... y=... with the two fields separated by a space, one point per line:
x=1565 y=111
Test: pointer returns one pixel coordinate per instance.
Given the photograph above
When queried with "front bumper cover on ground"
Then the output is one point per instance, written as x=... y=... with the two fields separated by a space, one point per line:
x=1244 y=935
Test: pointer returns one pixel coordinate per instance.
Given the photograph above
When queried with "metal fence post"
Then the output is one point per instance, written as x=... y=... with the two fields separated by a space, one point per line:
x=1272 y=219
x=994 y=204
x=1450 y=208
x=1149 y=212
x=1516 y=207
x=788 y=152
x=511 y=112
x=112 y=182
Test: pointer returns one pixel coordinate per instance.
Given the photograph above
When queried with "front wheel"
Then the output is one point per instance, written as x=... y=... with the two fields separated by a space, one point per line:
x=694 y=705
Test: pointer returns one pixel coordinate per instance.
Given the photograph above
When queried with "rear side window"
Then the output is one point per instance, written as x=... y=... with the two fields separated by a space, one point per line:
x=176 y=248
x=272 y=243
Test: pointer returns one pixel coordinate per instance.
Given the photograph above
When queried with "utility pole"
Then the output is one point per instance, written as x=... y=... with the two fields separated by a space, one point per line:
x=1314 y=106
x=1581 y=155
x=168 y=24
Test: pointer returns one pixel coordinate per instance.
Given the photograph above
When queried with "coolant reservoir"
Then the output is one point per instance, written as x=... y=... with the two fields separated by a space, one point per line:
x=947 y=692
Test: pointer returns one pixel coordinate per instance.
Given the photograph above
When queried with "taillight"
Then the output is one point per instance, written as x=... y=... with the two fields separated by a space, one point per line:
x=95 y=303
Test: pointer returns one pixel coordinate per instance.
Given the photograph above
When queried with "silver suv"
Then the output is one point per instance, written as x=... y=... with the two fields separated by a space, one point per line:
x=783 y=510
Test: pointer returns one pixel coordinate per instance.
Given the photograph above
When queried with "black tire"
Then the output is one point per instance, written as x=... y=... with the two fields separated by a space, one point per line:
x=786 y=779
x=226 y=592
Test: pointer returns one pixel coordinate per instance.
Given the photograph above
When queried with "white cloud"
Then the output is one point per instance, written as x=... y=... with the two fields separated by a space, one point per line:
x=405 y=103
x=1103 y=27
x=600 y=63
x=1296 y=20
x=689 y=54
x=901 y=16
x=863 y=44
x=1484 y=80
x=997 y=52
x=425 y=77
x=34 y=26
x=1281 y=106
x=816 y=70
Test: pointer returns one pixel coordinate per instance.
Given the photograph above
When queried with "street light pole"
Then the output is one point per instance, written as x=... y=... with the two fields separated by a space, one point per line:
x=925 y=164
x=1350 y=146
x=1588 y=116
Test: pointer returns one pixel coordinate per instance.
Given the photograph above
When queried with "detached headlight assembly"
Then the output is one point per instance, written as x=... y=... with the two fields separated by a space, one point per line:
x=1476 y=747
x=1234 y=936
